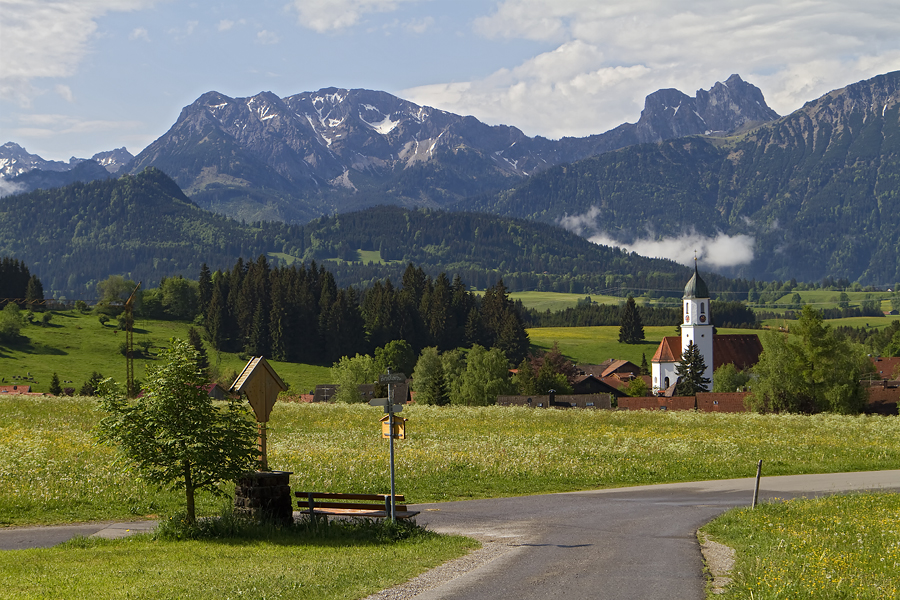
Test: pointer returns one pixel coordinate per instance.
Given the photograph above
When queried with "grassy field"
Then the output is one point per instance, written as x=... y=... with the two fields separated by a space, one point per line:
x=830 y=298
x=284 y=564
x=76 y=344
x=867 y=322
x=845 y=546
x=52 y=470
x=593 y=345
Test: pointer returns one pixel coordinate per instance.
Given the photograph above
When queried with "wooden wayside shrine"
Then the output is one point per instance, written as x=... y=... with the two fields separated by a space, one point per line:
x=261 y=384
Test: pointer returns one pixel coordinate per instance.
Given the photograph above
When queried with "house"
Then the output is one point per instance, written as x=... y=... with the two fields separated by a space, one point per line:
x=591 y=384
x=216 y=391
x=886 y=367
x=15 y=389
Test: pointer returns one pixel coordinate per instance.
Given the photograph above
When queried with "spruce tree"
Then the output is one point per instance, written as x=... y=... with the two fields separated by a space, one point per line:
x=204 y=288
x=631 y=329
x=197 y=343
x=690 y=372
x=55 y=388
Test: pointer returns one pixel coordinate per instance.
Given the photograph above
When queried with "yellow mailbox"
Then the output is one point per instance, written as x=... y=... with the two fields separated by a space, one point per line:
x=399 y=427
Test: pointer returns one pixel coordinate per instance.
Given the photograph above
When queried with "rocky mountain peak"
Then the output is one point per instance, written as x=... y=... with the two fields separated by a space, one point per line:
x=113 y=160
x=725 y=108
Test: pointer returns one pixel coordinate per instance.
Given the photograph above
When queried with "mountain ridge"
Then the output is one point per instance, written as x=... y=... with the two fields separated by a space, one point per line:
x=313 y=153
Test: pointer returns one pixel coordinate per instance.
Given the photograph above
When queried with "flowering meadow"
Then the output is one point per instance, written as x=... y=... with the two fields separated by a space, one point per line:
x=844 y=546
x=52 y=470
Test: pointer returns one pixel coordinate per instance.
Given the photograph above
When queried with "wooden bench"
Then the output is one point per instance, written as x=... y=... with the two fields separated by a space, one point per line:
x=375 y=506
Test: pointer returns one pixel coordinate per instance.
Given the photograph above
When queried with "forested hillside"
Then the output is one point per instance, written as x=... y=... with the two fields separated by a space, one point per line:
x=144 y=228
x=818 y=190
x=140 y=226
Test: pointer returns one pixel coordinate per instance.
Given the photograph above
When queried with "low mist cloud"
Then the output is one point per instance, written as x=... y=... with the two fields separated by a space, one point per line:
x=716 y=252
x=8 y=187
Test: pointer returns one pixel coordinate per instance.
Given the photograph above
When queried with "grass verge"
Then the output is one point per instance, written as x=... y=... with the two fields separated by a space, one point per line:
x=340 y=561
x=52 y=471
x=844 y=546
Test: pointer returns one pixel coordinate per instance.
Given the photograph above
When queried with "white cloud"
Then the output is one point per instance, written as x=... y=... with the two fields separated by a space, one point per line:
x=716 y=252
x=49 y=39
x=326 y=15
x=609 y=56
x=139 y=33
x=266 y=37
x=225 y=24
x=419 y=26
x=64 y=92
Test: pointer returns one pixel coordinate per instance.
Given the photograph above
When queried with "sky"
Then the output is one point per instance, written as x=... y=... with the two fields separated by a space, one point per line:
x=79 y=77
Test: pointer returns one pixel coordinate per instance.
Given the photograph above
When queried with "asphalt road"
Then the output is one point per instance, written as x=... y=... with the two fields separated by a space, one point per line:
x=628 y=543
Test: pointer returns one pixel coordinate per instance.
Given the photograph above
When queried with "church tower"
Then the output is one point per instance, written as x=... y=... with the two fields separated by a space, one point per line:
x=697 y=324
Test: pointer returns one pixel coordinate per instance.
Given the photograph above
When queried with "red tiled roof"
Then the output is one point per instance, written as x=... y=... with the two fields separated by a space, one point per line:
x=15 y=389
x=740 y=350
x=884 y=367
x=669 y=350
x=614 y=382
x=620 y=366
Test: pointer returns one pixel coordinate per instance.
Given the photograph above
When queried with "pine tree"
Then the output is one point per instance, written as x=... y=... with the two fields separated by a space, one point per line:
x=197 y=343
x=55 y=388
x=690 y=372
x=204 y=288
x=645 y=368
x=631 y=329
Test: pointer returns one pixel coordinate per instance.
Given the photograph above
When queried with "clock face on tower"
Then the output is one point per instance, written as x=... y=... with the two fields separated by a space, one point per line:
x=687 y=318
x=703 y=318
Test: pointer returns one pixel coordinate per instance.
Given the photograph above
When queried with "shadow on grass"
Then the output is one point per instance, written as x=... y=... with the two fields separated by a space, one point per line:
x=231 y=530
x=23 y=344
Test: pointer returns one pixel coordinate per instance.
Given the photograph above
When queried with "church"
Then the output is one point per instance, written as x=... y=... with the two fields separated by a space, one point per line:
x=740 y=350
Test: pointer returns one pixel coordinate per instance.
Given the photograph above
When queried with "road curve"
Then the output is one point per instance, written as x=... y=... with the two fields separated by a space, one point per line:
x=629 y=543
x=617 y=544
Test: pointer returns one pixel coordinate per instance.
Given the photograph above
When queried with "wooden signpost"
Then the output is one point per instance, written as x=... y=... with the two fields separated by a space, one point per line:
x=261 y=384
x=396 y=430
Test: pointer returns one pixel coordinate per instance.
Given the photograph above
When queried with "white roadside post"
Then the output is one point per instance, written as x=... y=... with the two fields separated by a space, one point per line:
x=390 y=408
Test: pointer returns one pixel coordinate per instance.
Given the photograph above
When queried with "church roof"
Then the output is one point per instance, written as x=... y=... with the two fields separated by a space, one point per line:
x=669 y=350
x=696 y=287
x=741 y=350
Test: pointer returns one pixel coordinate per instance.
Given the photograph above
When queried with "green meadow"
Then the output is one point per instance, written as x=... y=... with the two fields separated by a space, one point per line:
x=53 y=471
x=830 y=298
x=593 y=345
x=74 y=345
x=865 y=322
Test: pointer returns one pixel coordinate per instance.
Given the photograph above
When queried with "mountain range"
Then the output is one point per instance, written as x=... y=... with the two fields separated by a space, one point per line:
x=811 y=194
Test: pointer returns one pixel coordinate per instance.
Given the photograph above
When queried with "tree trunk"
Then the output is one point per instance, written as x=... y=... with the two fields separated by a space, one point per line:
x=189 y=493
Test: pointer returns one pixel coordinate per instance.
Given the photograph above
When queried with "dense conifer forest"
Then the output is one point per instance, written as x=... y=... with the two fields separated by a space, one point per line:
x=300 y=314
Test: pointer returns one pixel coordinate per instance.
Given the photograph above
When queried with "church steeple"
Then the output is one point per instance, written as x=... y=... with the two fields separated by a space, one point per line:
x=696 y=287
x=697 y=326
